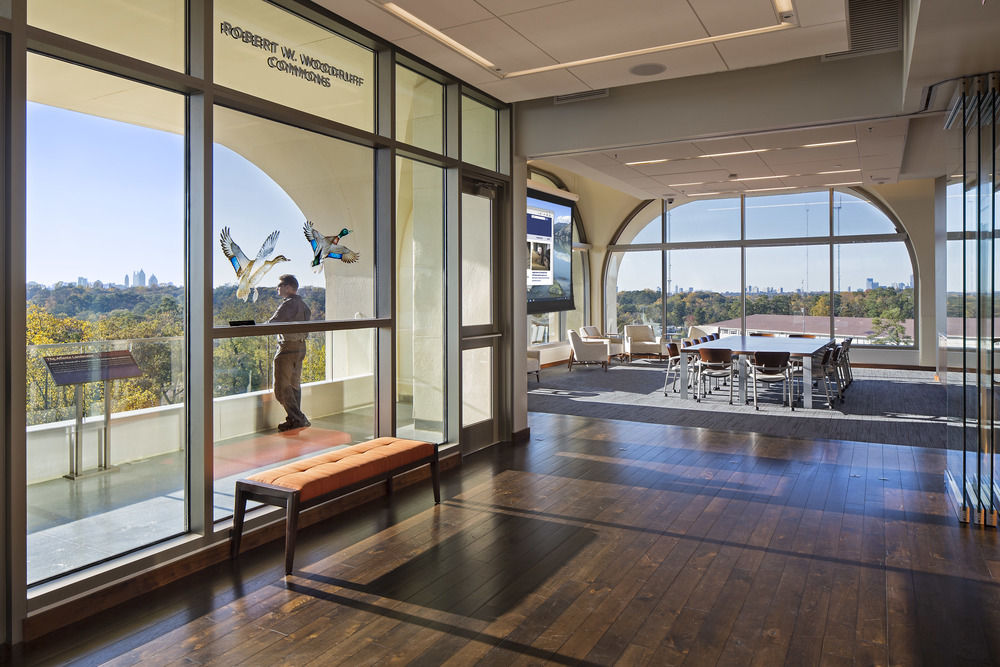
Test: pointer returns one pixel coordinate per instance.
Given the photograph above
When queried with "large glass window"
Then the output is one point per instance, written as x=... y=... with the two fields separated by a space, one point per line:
x=704 y=289
x=150 y=30
x=420 y=302
x=106 y=445
x=788 y=289
x=789 y=215
x=290 y=201
x=269 y=52
x=335 y=390
x=419 y=110
x=790 y=286
x=704 y=220
x=479 y=134
x=639 y=296
x=876 y=306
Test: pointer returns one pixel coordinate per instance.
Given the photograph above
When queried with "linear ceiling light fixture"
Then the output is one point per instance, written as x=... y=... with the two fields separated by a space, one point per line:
x=632 y=164
x=681 y=185
x=757 y=178
x=431 y=31
x=784 y=9
x=838 y=171
x=831 y=143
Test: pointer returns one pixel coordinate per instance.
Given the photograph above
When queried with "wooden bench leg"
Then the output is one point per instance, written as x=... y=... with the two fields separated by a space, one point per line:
x=239 y=510
x=291 y=526
x=436 y=479
x=388 y=487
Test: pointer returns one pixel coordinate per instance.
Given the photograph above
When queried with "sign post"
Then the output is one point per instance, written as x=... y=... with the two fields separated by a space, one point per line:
x=78 y=369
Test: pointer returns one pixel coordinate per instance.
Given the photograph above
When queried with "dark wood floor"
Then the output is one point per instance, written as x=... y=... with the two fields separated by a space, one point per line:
x=601 y=542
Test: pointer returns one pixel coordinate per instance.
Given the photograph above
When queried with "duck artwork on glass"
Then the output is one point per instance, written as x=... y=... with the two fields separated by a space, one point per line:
x=249 y=273
x=328 y=246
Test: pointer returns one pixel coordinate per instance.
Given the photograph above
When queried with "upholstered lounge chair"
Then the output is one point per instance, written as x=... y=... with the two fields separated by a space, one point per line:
x=587 y=352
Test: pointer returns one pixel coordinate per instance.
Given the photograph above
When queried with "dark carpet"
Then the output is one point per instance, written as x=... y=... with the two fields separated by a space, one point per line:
x=883 y=406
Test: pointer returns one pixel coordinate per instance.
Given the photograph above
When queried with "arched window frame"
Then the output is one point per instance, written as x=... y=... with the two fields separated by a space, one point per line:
x=831 y=241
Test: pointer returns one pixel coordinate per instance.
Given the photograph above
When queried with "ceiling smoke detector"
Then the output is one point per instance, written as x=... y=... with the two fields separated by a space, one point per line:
x=647 y=69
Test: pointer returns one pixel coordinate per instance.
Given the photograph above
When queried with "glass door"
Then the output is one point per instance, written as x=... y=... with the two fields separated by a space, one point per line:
x=481 y=335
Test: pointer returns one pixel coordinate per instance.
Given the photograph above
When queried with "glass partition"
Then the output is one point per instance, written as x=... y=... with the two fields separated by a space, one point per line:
x=420 y=301
x=105 y=356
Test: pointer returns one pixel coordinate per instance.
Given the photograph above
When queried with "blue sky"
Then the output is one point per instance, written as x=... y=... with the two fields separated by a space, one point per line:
x=106 y=199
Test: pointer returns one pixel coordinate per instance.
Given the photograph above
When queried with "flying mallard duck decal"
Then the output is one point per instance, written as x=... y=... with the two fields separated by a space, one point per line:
x=328 y=246
x=249 y=273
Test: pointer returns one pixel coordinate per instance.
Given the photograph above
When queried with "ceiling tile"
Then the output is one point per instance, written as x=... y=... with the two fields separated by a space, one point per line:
x=744 y=165
x=501 y=45
x=878 y=162
x=597 y=160
x=727 y=145
x=797 y=138
x=721 y=17
x=506 y=7
x=816 y=166
x=658 y=152
x=714 y=176
x=689 y=61
x=835 y=153
x=545 y=84
x=443 y=14
x=676 y=167
x=816 y=12
x=582 y=29
x=371 y=17
x=433 y=51
x=785 y=45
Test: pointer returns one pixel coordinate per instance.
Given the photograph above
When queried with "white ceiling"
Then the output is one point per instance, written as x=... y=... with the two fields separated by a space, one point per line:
x=943 y=38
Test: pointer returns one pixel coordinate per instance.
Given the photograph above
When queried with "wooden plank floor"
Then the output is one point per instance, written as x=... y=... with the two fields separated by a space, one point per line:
x=596 y=543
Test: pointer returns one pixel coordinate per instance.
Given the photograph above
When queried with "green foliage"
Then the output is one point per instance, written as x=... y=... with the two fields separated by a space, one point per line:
x=693 y=308
x=888 y=328
x=150 y=322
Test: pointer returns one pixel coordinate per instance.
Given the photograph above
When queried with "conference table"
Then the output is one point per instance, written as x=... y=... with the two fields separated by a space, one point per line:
x=798 y=348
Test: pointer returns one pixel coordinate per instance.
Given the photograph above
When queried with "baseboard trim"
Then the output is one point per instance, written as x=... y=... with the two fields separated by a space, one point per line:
x=521 y=436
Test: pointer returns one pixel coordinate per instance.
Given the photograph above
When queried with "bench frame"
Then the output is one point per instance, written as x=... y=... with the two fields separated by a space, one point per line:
x=279 y=496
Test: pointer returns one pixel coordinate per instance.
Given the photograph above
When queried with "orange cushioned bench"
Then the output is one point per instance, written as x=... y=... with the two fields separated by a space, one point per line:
x=302 y=484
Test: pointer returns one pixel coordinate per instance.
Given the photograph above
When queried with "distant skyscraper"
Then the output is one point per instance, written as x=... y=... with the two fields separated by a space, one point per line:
x=153 y=282
x=869 y=283
x=126 y=280
x=139 y=279
x=81 y=281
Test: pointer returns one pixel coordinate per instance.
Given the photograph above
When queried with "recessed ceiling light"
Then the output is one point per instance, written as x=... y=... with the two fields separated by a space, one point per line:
x=760 y=178
x=681 y=185
x=787 y=187
x=703 y=194
x=831 y=143
x=830 y=185
x=839 y=171
x=647 y=69
x=632 y=164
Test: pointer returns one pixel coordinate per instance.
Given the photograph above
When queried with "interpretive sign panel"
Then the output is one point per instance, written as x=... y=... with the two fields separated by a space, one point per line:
x=92 y=367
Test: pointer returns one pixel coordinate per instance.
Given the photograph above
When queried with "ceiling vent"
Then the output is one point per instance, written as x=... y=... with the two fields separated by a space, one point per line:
x=580 y=97
x=873 y=26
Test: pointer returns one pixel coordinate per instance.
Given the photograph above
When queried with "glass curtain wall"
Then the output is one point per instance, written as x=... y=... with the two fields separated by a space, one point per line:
x=790 y=271
x=972 y=394
x=106 y=318
x=152 y=340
